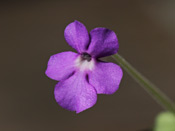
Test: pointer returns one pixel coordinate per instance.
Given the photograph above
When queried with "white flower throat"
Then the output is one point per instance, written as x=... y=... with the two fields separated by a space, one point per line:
x=84 y=62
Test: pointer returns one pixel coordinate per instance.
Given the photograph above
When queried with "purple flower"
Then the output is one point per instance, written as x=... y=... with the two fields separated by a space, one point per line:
x=82 y=75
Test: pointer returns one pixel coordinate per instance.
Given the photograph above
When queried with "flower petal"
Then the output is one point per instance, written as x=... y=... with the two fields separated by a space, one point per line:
x=77 y=36
x=106 y=77
x=104 y=42
x=61 y=65
x=75 y=93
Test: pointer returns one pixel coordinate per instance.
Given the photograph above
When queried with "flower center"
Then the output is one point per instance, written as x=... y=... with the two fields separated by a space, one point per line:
x=85 y=62
x=86 y=56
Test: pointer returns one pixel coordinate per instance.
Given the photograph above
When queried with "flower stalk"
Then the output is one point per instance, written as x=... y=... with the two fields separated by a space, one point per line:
x=158 y=95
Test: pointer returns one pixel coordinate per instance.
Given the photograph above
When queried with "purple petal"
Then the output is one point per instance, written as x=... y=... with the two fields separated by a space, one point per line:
x=105 y=78
x=61 y=65
x=77 y=36
x=75 y=93
x=104 y=42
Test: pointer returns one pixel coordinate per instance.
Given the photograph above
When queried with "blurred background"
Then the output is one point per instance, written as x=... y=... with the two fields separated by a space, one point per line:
x=32 y=31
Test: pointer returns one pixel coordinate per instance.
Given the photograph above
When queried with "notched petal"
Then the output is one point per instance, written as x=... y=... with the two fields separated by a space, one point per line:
x=77 y=36
x=104 y=42
x=61 y=66
x=75 y=93
x=106 y=77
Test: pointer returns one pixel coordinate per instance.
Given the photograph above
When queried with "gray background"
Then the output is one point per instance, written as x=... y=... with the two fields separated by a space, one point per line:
x=30 y=32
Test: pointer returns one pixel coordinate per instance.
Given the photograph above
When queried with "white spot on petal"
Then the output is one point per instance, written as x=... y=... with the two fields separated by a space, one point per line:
x=84 y=64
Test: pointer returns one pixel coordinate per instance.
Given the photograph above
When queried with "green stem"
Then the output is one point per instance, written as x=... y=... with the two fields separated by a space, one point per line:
x=159 y=96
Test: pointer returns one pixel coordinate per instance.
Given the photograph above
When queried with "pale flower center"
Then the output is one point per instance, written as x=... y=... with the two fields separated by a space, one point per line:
x=84 y=62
